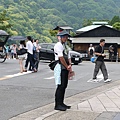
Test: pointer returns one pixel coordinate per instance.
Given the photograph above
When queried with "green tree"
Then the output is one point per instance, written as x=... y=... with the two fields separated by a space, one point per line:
x=116 y=25
x=53 y=32
x=37 y=17
x=114 y=20
x=86 y=22
x=4 y=23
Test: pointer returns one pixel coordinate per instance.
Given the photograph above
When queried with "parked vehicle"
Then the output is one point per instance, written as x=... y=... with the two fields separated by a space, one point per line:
x=47 y=53
x=84 y=55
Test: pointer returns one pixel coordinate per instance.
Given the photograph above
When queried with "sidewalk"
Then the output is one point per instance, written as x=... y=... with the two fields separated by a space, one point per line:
x=101 y=103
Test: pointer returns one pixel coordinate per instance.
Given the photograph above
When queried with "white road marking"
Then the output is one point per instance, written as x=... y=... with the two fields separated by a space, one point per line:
x=19 y=74
x=99 y=78
x=50 y=77
x=15 y=75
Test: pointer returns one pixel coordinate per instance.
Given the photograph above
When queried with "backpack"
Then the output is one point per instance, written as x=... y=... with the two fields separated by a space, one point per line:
x=91 y=51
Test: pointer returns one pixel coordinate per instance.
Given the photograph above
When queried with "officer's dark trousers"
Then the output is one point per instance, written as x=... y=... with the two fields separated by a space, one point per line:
x=100 y=65
x=60 y=91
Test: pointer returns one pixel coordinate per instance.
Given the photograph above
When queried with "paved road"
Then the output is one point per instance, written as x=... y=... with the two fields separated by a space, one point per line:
x=20 y=93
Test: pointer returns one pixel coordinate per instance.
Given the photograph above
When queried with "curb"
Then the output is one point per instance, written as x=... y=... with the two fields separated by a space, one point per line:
x=46 y=115
x=47 y=110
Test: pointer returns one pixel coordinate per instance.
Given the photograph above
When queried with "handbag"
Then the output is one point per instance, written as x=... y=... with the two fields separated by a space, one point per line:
x=71 y=75
x=93 y=59
x=21 y=51
x=53 y=64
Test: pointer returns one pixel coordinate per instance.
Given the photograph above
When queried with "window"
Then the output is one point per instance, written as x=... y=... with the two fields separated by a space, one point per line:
x=44 y=46
x=50 y=47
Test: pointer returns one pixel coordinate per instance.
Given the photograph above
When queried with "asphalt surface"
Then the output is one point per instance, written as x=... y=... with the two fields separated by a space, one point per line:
x=21 y=93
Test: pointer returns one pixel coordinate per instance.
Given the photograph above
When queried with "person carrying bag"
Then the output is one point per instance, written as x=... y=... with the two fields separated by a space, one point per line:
x=61 y=69
x=99 y=64
x=22 y=56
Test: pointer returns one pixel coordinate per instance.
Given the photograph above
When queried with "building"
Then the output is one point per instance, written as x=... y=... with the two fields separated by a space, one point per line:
x=92 y=35
x=64 y=27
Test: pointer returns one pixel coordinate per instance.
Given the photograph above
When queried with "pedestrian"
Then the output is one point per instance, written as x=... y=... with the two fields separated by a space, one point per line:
x=8 y=51
x=111 y=52
x=99 y=64
x=65 y=66
x=91 y=50
x=36 y=53
x=21 y=58
x=11 y=51
x=29 y=47
x=14 y=51
x=33 y=60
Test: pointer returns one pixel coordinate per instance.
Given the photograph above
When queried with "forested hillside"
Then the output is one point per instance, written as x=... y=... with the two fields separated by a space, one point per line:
x=37 y=17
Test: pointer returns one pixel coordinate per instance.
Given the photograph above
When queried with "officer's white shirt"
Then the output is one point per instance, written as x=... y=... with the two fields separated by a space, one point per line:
x=58 y=49
x=29 y=47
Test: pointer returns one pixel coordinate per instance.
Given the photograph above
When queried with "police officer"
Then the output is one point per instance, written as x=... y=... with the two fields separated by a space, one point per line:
x=65 y=63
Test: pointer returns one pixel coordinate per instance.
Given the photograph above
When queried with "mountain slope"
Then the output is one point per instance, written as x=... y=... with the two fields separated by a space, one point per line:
x=36 y=17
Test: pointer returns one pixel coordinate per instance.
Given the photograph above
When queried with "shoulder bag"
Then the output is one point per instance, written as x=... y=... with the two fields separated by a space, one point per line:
x=93 y=59
x=53 y=64
x=21 y=51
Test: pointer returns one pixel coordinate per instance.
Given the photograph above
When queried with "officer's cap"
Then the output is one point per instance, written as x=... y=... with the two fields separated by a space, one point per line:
x=63 y=33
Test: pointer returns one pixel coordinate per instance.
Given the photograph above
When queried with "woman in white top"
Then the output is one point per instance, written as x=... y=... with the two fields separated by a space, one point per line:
x=22 y=57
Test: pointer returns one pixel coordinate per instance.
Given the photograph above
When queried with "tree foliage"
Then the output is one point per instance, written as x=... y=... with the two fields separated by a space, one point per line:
x=5 y=24
x=38 y=17
x=116 y=25
x=114 y=20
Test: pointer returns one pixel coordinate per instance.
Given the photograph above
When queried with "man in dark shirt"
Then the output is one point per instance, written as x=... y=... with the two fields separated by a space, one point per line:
x=99 y=52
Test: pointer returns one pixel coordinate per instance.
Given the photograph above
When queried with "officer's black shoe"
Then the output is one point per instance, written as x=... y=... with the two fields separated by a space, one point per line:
x=66 y=106
x=60 y=107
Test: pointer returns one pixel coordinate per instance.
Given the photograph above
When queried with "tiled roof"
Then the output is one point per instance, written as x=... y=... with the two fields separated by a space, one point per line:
x=65 y=27
x=88 y=28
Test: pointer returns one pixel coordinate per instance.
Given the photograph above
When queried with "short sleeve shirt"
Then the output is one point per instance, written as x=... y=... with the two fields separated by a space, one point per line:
x=37 y=46
x=58 y=50
x=29 y=46
x=99 y=49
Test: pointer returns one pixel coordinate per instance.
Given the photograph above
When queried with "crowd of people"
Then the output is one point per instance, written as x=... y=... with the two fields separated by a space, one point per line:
x=112 y=52
x=31 y=57
x=11 y=51
x=33 y=48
